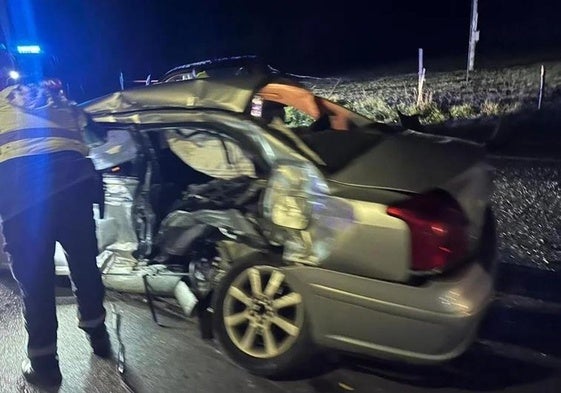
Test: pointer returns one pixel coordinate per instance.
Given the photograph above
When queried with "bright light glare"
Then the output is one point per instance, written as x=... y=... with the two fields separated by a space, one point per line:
x=14 y=75
x=29 y=49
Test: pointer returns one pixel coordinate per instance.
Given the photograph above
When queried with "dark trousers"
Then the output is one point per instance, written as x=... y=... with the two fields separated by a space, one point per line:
x=66 y=217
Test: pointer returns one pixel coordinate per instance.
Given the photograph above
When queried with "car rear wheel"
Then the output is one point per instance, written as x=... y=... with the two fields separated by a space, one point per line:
x=260 y=319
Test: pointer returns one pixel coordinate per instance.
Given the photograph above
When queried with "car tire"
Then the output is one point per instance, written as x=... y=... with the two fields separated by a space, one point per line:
x=246 y=320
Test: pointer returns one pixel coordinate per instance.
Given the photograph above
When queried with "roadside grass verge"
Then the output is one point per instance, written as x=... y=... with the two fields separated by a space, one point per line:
x=492 y=92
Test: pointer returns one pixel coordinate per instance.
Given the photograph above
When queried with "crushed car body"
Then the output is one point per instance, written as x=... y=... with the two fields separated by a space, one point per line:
x=343 y=234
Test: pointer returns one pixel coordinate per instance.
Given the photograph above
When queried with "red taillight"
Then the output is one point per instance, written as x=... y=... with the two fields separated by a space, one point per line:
x=438 y=230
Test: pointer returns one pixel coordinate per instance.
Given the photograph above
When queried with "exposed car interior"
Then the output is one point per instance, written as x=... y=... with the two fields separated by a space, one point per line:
x=193 y=157
x=336 y=134
x=340 y=118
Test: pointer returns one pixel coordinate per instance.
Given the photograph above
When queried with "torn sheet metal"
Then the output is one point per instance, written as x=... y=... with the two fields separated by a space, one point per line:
x=119 y=148
x=122 y=272
x=231 y=95
x=116 y=230
x=181 y=228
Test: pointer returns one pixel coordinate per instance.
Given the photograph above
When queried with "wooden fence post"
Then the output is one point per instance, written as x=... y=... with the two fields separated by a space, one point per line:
x=542 y=85
x=421 y=80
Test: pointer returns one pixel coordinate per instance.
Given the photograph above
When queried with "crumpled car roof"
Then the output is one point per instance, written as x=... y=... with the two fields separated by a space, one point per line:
x=253 y=62
x=230 y=94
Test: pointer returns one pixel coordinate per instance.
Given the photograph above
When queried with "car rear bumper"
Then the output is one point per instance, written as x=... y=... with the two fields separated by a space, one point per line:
x=426 y=324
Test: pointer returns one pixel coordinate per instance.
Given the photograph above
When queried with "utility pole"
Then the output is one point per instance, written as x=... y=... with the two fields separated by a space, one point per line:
x=473 y=37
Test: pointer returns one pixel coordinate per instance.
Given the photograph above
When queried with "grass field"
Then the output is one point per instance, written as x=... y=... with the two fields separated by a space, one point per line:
x=447 y=95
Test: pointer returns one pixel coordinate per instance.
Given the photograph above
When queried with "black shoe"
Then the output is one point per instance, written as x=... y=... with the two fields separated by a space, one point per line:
x=42 y=371
x=100 y=342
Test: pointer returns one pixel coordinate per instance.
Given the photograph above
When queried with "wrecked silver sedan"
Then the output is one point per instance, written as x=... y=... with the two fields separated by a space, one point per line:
x=340 y=235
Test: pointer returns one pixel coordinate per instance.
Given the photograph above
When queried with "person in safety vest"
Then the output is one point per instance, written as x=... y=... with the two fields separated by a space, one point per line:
x=47 y=190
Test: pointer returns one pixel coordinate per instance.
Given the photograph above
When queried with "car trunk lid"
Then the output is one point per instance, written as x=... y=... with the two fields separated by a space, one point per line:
x=412 y=163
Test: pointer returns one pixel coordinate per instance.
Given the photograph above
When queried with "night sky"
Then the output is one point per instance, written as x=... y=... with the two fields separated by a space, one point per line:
x=95 y=40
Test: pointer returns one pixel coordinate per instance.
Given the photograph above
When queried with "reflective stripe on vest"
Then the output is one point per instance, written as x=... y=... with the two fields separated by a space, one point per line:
x=38 y=352
x=92 y=323
x=32 y=133
x=32 y=141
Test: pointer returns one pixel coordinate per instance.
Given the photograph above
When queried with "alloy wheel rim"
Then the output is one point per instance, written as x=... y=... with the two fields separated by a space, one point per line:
x=262 y=321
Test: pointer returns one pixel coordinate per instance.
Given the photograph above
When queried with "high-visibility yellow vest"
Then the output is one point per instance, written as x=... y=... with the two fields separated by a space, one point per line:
x=27 y=130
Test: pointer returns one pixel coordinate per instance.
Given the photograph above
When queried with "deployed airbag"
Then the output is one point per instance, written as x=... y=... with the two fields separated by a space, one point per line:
x=210 y=155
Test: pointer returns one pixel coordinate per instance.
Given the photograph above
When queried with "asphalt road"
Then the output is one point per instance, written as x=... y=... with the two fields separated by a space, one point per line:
x=175 y=358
